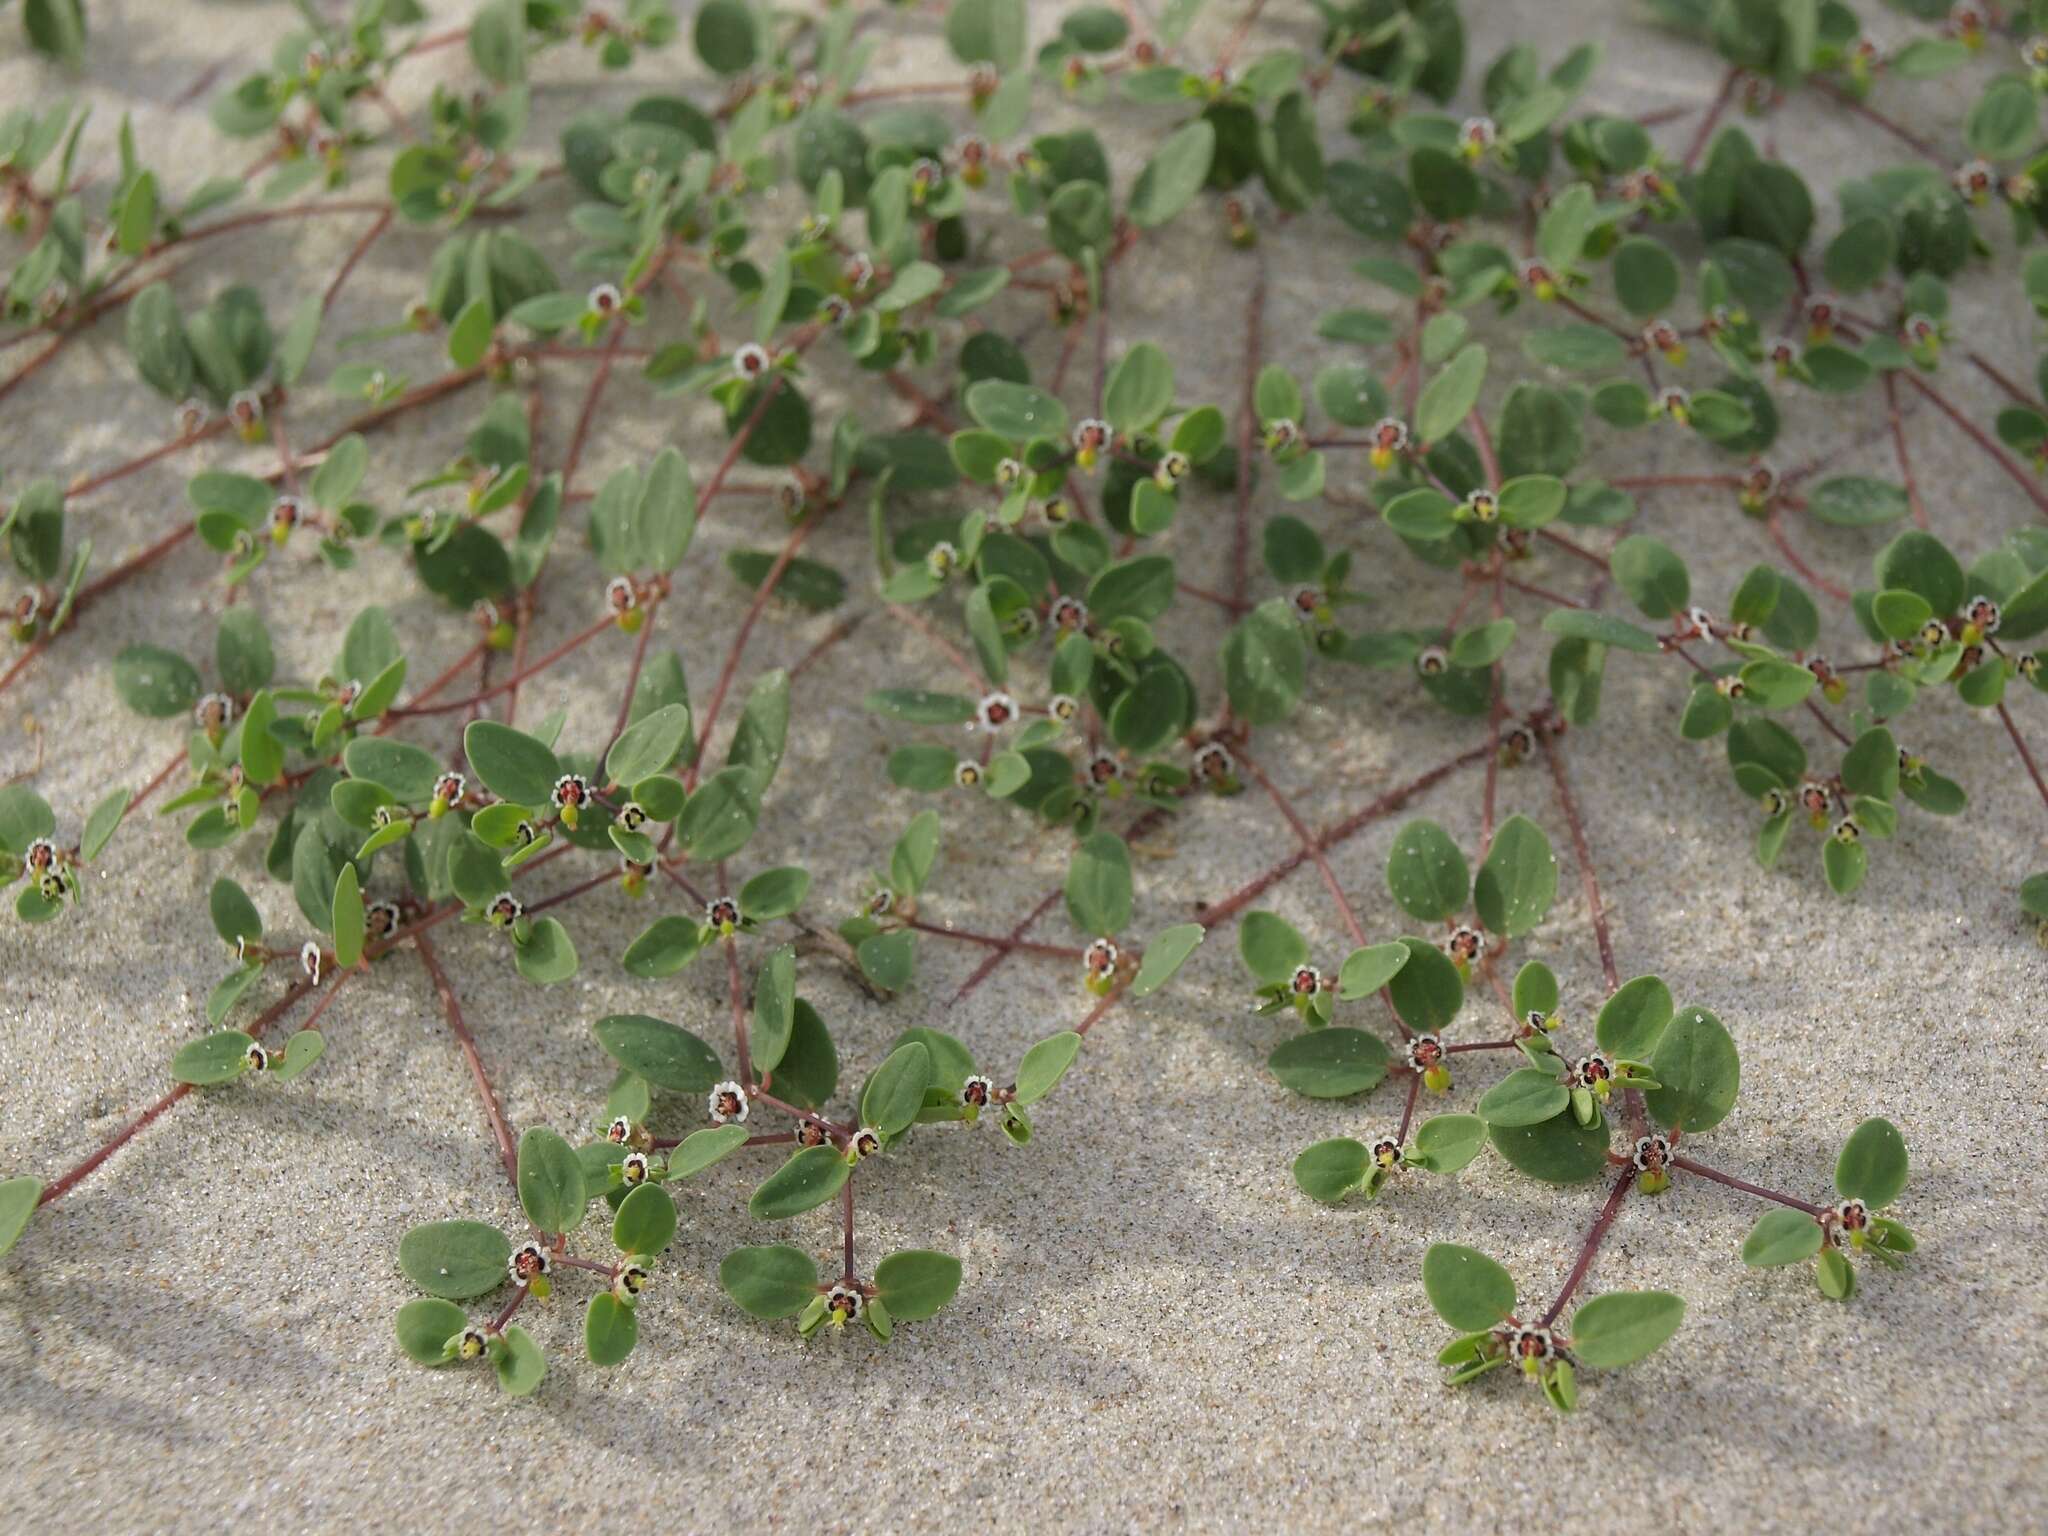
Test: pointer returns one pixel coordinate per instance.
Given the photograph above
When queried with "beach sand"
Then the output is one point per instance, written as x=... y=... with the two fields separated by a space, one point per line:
x=1156 y=1329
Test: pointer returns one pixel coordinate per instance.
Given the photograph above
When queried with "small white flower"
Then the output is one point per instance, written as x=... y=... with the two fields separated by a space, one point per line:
x=995 y=711
x=215 y=712
x=529 y=1262
x=727 y=1102
x=844 y=1303
x=309 y=959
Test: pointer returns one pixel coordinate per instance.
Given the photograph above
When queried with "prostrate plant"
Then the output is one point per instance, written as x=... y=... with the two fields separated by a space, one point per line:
x=1025 y=527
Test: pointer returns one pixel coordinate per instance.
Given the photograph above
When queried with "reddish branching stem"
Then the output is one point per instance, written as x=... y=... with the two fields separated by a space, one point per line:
x=1584 y=853
x=501 y=1133
x=1591 y=1246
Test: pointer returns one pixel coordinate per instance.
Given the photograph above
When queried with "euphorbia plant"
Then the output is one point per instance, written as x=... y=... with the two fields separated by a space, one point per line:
x=1537 y=284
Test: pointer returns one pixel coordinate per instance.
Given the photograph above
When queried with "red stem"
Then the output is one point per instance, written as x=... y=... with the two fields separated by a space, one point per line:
x=500 y=1131
x=1591 y=1246
x=1587 y=878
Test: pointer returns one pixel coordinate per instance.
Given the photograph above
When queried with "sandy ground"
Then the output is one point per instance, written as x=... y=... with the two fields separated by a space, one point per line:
x=1156 y=1329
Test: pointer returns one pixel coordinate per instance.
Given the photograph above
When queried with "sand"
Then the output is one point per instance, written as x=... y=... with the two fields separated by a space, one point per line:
x=1156 y=1329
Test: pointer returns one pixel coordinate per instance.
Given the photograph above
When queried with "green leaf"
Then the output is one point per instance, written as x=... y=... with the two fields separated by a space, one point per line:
x=1174 y=174
x=1556 y=1151
x=101 y=824
x=242 y=651
x=1654 y=578
x=1330 y=1063
x=1576 y=348
x=300 y=1052
x=700 y=1149
x=348 y=919
x=550 y=1181
x=1450 y=396
x=667 y=1056
x=1165 y=955
x=889 y=960
x=1645 y=276
x=911 y=860
x=1622 y=1327
x=1535 y=989
x=919 y=706
x=513 y=765
x=649 y=745
x=1366 y=970
x=1835 y=1276
x=546 y=954
x=520 y=1364
x=2005 y=120
x=725 y=36
x=456 y=1259
x=1468 y=1290
x=774 y=1007
x=1016 y=411
x=497 y=41
x=1528 y=1096
x=1099 y=885
x=895 y=1093
x=1769 y=683
x=610 y=1327
x=1845 y=865
x=155 y=682
x=1781 y=1236
x=211 y=1059
x=1140 y=389
x=19 y=1198
x=1516 y=885
x=1919 y=562
x=24 y=817
x=1873 y=1164
x=1700 y=1072
x=914 y=1283
x=646 y=1221
x=1427 y=992
x=1045 y=1064
x=1427 y=873
x=1632 y=1021
x=408 y=772
x=770 y=1282
x=1567 y=221
x=235 y=917
x=1265 y=664
x=802 y=1184
x=425 y=1325
x=1330 y=1170
x=1446 y=1143
x=1270 y=946
x=720 y=817
x=663 y=948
